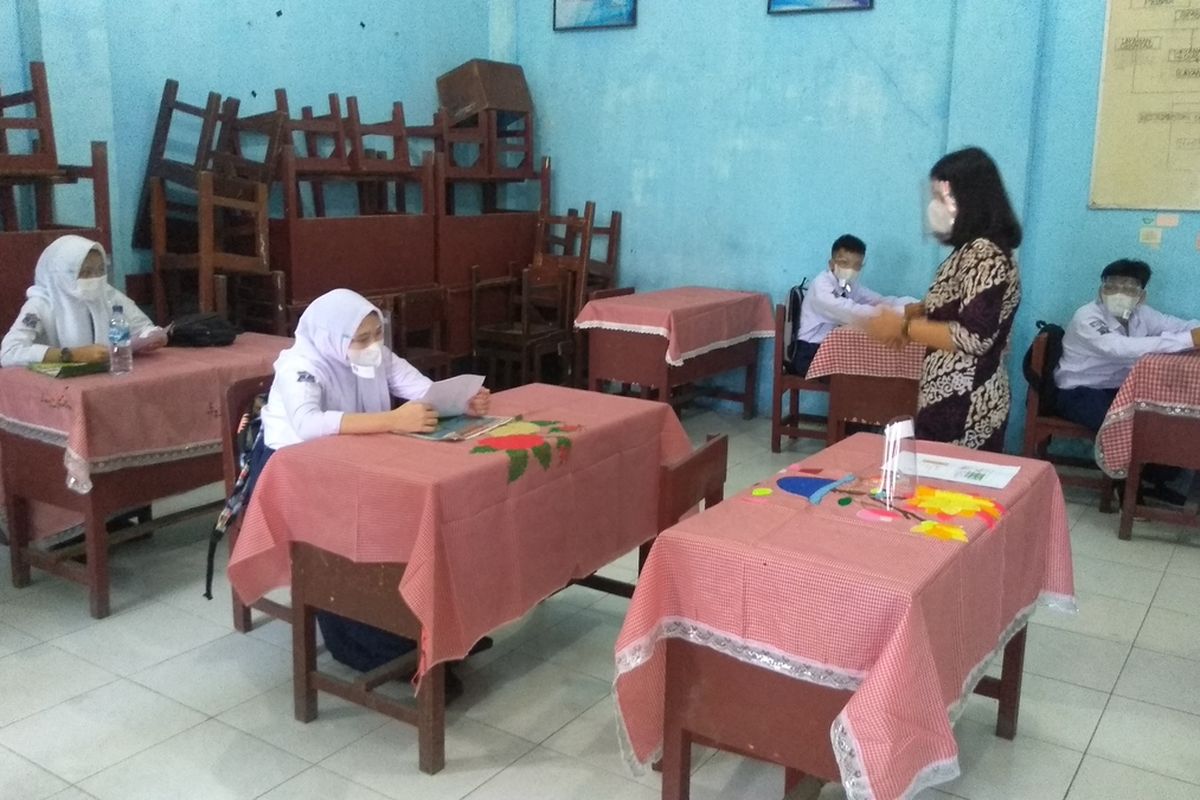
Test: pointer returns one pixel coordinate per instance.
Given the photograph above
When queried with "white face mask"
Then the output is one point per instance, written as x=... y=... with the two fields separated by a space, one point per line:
x=845 y=276
x=1120 y=306
x=89 y=289
x=940 y=218
x=363 y=362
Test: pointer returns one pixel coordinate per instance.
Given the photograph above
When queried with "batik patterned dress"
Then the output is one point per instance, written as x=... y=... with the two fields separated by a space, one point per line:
x=964 y=394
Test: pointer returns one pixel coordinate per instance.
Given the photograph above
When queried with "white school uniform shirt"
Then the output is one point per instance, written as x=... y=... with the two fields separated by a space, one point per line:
x=314 y=385
x=1098 y=352
x=54 y=315
x=828 y=304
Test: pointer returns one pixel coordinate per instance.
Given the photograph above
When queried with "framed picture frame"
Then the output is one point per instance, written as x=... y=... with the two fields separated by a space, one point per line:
x=799 y=6
x=584 y=15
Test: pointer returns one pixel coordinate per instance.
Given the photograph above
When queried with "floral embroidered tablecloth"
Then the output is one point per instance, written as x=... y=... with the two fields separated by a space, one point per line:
x=488 y=527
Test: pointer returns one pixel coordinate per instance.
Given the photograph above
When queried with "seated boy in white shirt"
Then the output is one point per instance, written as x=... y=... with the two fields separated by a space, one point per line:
x=836 y=297
x=1105 y=339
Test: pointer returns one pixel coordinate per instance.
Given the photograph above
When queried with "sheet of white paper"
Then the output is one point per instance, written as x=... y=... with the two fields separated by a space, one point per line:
x=451 y=396
x=960 y=470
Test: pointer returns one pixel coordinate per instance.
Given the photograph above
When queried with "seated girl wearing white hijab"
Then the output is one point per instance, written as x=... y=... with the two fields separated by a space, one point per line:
x=339 y=379
x=66 y=312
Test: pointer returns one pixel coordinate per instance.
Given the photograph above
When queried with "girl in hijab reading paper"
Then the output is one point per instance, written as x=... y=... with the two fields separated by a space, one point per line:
x=66 y=312
x=340 y=379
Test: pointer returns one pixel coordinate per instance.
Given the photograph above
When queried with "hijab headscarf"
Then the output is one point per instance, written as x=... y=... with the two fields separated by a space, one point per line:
x=70 y=321
x=322 y=346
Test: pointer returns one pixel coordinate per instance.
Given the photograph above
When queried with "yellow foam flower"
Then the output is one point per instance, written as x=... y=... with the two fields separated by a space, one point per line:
x=940 y=530
x=954 y=504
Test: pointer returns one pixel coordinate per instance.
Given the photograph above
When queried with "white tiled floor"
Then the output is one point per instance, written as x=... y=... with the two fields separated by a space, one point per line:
x=164 y=700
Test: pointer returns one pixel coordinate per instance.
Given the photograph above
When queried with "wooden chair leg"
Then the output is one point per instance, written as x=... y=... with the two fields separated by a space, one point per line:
x=643 y=554
x=431 y=721
x=304 y=657
x=206 y=249
x=795 y=406
x=158 y=235
x=750 y=395
x=677 y=753
x=776 y=419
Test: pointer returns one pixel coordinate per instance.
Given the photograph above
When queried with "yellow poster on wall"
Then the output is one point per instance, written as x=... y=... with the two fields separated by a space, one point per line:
x=1147 y=151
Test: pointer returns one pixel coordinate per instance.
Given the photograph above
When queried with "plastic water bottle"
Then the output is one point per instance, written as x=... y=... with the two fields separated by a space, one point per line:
x=120 y=347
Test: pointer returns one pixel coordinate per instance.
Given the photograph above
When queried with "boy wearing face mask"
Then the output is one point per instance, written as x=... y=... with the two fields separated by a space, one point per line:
x=836 y=297
x=1107 y=336
x=66 y=311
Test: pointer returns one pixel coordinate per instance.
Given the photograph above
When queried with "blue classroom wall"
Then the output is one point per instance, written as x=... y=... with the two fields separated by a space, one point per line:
x=739 y=145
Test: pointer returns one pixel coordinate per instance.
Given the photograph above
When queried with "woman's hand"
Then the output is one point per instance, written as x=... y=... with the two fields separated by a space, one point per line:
x=90 y=354
x=480 y=403
x=885 y=326
x=413 y=418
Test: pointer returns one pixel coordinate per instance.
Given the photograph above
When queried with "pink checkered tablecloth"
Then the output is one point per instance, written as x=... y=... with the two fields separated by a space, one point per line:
x=486 y=535
x=907 y=622
x=167 y=408
x=1160 y=383
x=849 y=351
x=694 y=319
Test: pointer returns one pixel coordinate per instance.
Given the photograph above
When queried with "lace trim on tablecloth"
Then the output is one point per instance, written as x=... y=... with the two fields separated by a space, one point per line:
x=657 y=331
x=1192 y=412
x=845 y=747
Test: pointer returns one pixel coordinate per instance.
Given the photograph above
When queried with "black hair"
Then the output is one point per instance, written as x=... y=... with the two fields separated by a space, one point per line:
x=1128 y=268
x=849 y=243
x=984 y=211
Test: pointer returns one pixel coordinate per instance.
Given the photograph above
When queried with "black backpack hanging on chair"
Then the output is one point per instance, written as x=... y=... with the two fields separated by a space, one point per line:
x=791 y=326
x=1043 y=383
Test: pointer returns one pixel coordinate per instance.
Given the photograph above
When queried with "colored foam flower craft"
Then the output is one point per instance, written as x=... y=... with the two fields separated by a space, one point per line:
x=940 y=530
x=946 y=505
x=519 y=439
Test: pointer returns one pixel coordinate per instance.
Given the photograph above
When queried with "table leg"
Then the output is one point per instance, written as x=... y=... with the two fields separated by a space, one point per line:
x=304 y=658
x=1010 y=686
x=96 y=547
x=431 y=721
x=19 y=534
x=676 y=760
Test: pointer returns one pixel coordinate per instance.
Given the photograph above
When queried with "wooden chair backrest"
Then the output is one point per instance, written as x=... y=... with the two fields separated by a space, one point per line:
x=43 y=155
x=698 y=476
x=422 y=309
x=236 y=403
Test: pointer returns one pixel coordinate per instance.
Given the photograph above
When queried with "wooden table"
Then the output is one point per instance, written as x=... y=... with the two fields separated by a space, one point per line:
x=443 y=542
x=102 y=444
x=868 y=383
x=833 y=643
x=664 y=340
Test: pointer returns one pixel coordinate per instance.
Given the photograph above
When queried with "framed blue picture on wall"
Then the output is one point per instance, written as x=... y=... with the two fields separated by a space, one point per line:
x=582 y=15
x=796 y=6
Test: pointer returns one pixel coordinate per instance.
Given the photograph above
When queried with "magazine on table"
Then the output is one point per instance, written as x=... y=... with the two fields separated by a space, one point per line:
x=460 y=428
